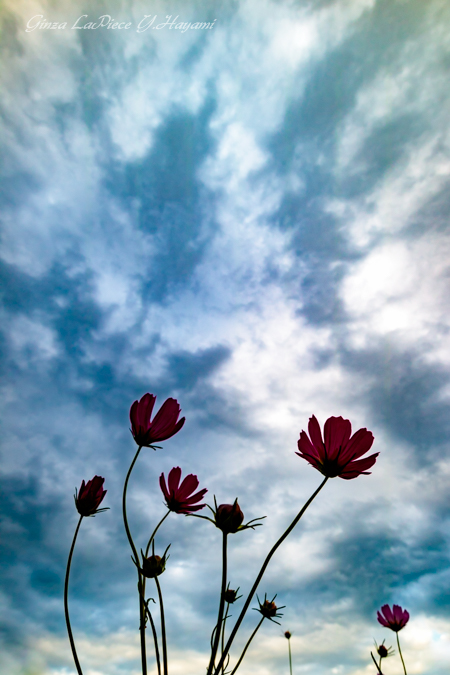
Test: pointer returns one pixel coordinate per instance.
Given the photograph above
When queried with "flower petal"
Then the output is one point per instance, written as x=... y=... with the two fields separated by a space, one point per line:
x=174 y=479
x=359 y=466
x=358 y=445
x=316 y=435
x=337 y=433
x=187 y=487
x=162 y=484
x=307 y=448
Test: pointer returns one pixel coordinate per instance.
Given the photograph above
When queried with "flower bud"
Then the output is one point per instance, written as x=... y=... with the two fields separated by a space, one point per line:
x=287 y=635
x=230 y=596
x=153 y=566
x=229 y=517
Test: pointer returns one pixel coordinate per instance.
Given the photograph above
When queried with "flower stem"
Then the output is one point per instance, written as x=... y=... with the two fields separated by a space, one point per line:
x=290 y=656
x=66 y=605
x=163 y=627
x=401 y=655
x=154 y=532
x=223 y=633
x=221 y=606
x=247 y=646
x=155 y=638
x=136 y=557
x=262 y=570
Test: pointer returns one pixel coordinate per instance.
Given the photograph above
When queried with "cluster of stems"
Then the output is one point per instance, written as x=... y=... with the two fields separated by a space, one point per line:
x=220 y=647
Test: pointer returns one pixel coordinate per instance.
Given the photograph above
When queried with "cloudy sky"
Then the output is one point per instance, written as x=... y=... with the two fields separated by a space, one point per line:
x=253 y=219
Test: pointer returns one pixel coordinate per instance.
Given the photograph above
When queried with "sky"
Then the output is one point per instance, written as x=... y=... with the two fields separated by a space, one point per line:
x=251 y=218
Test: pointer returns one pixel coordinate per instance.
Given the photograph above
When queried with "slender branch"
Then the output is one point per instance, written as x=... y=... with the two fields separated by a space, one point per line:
x=378 y=667
x=163 y=627
x=401 y=655
x=221 y=605
x=66 y=605
x=155 y=638
x=154 y=532
x=136 y=557
x=290 y=656
x=223 y=633
x=247 y=646
x=262 y=570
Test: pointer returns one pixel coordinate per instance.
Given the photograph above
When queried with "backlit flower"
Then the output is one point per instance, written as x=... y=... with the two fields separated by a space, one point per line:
x=164 y=425
x=269 y=610
x=231 y=595
x=154 y=565
x=383 y=651
x=395 y=618
x=229 y=517
x=89 y=497
x=180 y=498
x=338 y=454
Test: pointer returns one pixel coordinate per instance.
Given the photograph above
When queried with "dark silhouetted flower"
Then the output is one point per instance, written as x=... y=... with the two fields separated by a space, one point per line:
x=179 y=498
x=383 y=651
x=288 y=635
x=338 y=454
x=165 y=424
x=231 y=596
x=90 y=496
x=229 y=517
x=268 y=609
x=154 y=565
x=395 y=619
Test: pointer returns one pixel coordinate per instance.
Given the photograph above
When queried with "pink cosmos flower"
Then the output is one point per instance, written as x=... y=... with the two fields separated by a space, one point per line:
x=165 y=423
x=90 y=496
x=339 y=454
x=395 y=619
x=179 y=498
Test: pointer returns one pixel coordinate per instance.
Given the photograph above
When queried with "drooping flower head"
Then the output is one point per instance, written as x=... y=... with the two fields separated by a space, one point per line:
x=165 y=424
x=268 y=609
x=338 y=454
x=180 y=498
x=395 y=618
x=89 y=497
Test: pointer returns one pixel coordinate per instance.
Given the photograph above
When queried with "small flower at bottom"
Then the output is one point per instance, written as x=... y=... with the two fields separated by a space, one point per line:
x=165 y=424
x=154 y=565
x=179 y=498
x=383 y=652
x=90 y=496
x=268 y=609
x=230 y=595
x=395 y=618
x=338 y=454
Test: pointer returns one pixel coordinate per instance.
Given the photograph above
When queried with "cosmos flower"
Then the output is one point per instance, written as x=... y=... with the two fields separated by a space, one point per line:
x=164 y=425
x=338 y=454
x=395 y=619
x=179 y=498
x=229 y=517
x=90 y=496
